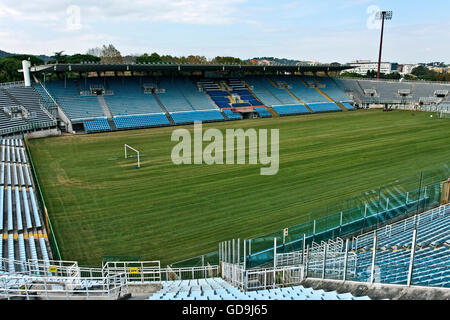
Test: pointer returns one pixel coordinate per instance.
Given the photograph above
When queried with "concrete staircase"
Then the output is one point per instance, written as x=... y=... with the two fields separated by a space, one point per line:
x=107 y=112
x=163 y=108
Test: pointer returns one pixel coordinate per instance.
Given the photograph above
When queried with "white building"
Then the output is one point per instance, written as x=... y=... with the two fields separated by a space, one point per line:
x=362 y=66
x=407 y=68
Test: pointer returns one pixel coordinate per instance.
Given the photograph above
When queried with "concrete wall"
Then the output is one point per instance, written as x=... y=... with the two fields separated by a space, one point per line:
x=43 y=133
x=379 y=291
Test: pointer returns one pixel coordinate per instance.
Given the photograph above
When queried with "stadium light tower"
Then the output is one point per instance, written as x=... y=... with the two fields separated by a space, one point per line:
x=382 y=15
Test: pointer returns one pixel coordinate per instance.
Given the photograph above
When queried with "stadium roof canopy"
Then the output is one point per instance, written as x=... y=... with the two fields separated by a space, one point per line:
x=96 y=67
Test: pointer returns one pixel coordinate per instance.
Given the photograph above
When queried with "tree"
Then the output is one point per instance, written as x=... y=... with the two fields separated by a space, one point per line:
x=9 y=66
x=59 y=57
x=153 y=58
x=420 y=71
x=78 y=58
x=97 y=51
x=227 y=60
x=110 y=55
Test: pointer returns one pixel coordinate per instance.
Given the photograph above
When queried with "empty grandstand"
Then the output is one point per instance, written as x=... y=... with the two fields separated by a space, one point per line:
x=395 y=235
x=24 y=235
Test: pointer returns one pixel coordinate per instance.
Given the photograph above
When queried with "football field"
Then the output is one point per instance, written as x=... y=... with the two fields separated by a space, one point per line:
x=99 y=204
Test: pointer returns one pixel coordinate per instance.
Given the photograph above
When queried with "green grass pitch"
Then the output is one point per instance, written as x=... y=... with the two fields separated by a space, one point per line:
x=100 y=205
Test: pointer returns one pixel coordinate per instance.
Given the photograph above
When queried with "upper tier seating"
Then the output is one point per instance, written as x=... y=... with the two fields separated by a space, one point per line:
x=300 y=90
x=129 y=98
x=331 y=89
x=268 y=93
x=76 y=107
x=182 y=95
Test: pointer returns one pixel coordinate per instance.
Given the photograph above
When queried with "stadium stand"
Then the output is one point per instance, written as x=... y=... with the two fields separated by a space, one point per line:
x=331 y=89
x=394 y=243
x=324 y=107
x=19 y=213
x=221 y=97
x=22 y=109
x=77 y=108
x=232 y=115
x=141 y=121
x=348 y=105
x=128 y=97
x=182 y=95
x=268 y=93
x=263 y=112
x=190 y=117
x=299 y=89
x=290 y=109
x=389 y=91
x=97 y=125
x=239 y=89
x=218 y=289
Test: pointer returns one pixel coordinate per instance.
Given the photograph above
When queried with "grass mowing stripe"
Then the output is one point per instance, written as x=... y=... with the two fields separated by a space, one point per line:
x=100 y=205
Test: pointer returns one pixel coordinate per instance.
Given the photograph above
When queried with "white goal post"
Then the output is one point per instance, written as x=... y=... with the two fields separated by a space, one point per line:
x=138 y=154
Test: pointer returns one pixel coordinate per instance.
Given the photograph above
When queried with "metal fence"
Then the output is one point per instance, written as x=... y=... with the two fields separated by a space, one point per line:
x=54 y=279
x=400 y=198
x=28 y=127
x=261 y=278
x=372 y=258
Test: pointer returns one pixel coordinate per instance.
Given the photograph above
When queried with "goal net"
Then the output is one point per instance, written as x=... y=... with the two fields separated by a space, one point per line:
x=126 y=147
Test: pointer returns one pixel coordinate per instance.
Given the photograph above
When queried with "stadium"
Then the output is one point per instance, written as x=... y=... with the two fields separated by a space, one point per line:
x=93 y=207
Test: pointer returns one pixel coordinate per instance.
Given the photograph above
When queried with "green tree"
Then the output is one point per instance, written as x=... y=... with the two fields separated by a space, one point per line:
x=78 y=58
x=420 y=71
x=153 y=58
x=10 y=65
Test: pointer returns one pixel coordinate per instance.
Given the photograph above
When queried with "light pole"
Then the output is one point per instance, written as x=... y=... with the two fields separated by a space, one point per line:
x=382 y=15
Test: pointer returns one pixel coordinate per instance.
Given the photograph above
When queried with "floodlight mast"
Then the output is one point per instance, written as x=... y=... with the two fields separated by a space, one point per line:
x=382 y=15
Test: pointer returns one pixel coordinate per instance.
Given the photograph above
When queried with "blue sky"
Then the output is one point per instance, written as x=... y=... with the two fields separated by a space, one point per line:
x=313 y=30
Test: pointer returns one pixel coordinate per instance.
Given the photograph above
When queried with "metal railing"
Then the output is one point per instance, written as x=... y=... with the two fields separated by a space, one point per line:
x=28 y=127
x=261 y=278
x=370 y=259
x=57 y=279
x=12 y=84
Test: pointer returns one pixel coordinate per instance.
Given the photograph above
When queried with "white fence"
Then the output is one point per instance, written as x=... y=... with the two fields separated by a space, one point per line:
x=66 y=280
x=262 y=278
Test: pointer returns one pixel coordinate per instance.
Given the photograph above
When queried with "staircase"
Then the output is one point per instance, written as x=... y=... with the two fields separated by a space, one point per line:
x=164 y=109
x=105 y=107
x=11 y=97
x=112 y=125
x=107 y=112
x=310 y=110
x=340 y=105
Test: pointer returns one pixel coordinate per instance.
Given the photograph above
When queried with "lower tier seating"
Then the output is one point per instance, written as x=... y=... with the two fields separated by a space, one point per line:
x=290 y=109
x=97 y=125
x=190 y=117
x=141 y=121
x=263 y=112
x=324 y=107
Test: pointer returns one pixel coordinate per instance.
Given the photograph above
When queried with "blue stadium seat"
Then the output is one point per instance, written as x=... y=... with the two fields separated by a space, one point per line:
x=190 y=117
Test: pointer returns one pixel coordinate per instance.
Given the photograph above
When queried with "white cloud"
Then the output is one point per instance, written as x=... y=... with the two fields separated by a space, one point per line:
x=208 y=12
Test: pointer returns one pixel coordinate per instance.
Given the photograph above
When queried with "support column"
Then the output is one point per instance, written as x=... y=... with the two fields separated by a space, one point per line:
x=374 y=253
x=411 y=260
